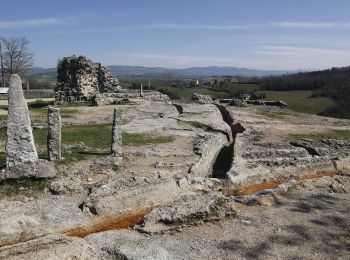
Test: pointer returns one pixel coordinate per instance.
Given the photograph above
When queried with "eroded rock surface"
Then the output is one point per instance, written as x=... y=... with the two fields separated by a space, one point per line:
x=94 y=197
x=188 y=209
x=127 y=244
x=53 y=246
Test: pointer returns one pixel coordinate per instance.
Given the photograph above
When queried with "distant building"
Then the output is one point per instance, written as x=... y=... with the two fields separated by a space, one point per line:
x=195 y=83
x=245 y=96
x=3 y=91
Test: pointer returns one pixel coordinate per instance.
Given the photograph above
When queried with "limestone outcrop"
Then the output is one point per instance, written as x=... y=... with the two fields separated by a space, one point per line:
x=79 y=79
x=191 y=208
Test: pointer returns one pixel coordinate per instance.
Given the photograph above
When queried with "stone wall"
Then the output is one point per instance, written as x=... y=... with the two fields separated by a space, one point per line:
x=79 y=79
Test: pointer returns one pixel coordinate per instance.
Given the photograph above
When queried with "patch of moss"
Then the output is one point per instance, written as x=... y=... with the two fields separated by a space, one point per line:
x=142 y=139
x=2 y=160
x=332 y=134
x=196 y=124
x=39 y=104
x=68 y=113
x=75 y=155
x=273 y=114
x=29 y=188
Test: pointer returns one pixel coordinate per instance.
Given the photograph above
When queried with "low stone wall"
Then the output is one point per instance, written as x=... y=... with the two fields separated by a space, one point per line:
x=125 y=94
x=34 y=93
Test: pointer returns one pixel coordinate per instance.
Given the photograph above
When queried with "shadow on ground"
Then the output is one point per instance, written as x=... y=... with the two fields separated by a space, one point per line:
x=318 y=226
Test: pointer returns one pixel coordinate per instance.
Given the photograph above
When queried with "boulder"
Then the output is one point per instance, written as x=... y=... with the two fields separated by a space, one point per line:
x=238 y=102
x=203 y=99
x=191 y=208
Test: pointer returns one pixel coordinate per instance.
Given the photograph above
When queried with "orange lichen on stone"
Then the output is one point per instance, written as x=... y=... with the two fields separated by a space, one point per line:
x=8 y=242
x=109 y=223
x=259 y=187
x=274 y=183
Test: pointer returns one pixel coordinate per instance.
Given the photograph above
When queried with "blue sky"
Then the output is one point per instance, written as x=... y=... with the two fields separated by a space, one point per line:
x=263 y=34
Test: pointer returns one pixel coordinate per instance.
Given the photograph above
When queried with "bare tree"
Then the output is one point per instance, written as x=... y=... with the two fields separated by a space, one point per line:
x=2 y=68
x=17 y=59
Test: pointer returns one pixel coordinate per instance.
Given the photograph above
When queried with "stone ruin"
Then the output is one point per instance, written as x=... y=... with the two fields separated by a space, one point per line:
x=22 y=159
x=80 y=79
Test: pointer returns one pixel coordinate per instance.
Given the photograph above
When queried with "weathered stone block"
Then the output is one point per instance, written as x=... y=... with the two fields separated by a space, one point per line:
x=117 y=133
x=54 y=134
x=39 y=170
x=20 y=148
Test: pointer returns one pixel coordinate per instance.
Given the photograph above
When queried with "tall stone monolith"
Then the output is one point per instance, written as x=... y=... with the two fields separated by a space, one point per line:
x=117 y=133
x=20 y=148
x=54 y=134
x=141 y=90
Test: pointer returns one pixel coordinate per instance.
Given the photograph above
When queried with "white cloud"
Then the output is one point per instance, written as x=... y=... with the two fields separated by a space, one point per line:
x=301 y=25
x=299 y=51
x=171 y=60
x=312 y=25
x=303 y=57
x=28 y=23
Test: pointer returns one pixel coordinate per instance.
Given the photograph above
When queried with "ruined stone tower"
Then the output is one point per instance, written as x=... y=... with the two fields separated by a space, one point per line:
x=79 y=79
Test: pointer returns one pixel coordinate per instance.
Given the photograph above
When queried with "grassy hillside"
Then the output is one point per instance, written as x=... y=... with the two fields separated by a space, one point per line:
x=332 y=83
x=300 y=100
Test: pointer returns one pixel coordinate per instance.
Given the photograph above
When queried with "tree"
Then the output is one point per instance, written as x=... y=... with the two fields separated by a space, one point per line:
x=16 y=57
x=2 y=68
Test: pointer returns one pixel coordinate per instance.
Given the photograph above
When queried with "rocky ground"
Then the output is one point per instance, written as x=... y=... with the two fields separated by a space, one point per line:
x=281 y=198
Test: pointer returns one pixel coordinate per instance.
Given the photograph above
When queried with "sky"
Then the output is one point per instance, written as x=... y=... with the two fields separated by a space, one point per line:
x=257 y=34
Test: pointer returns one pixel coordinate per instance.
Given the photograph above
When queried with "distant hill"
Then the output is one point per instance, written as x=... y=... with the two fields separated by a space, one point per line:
x=194 y=71
x=160 y=71
x=333 y=83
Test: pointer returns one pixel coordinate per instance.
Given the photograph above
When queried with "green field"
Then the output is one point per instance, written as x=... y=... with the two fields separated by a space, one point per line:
x=97 y=138
x=243 y=87
x=300 y=100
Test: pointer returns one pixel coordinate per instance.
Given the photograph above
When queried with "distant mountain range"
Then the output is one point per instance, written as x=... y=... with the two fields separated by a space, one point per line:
x=160 y=71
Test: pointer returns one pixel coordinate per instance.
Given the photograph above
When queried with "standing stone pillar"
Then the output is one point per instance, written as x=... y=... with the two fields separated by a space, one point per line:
x=54 y=134
x=117 y=133
x=20 y=148
x=141 y=91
